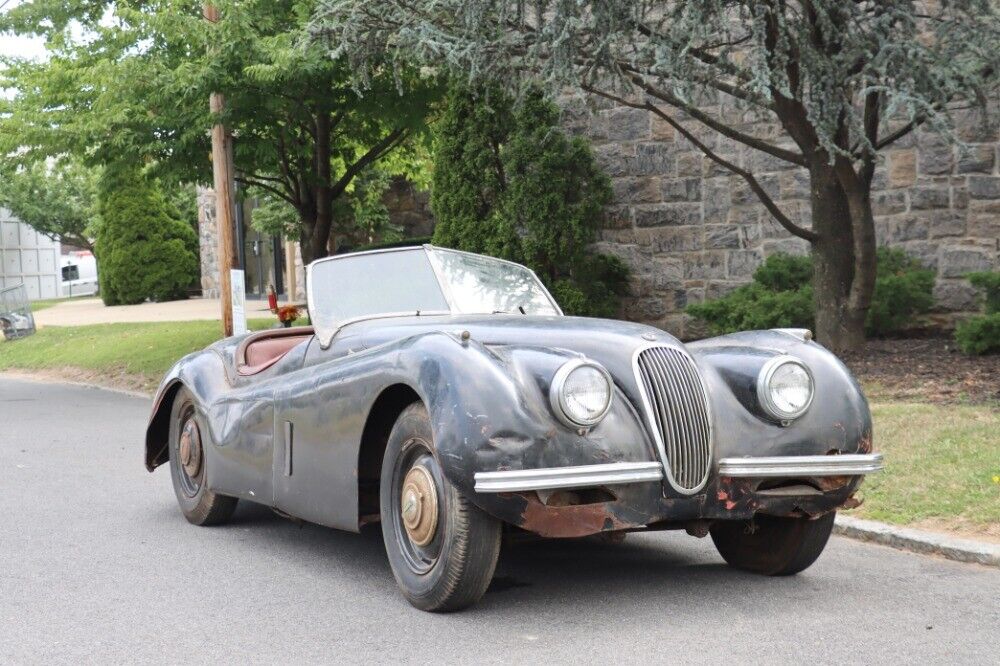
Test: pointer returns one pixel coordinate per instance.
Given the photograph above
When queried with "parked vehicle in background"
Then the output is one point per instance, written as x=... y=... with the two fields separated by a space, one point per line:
x=79 y=274
x=16 y=320
x=445 y=395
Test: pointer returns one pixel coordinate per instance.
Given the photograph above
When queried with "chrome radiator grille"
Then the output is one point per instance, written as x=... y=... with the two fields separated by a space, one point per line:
x=676 y=406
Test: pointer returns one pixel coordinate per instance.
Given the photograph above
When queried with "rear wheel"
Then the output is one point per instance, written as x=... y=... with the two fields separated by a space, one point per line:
x=187 y=466
x=772 y=545
x=442 y=548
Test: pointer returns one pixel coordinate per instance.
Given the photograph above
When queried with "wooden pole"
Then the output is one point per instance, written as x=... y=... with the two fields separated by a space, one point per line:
x=222 y=170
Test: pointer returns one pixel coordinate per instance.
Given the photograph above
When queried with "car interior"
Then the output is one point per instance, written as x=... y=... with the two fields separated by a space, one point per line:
x=259 y=351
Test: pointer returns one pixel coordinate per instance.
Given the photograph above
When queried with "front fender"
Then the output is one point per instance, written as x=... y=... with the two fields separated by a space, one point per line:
x=838 y=421
x=490 y=411
x=203 y=373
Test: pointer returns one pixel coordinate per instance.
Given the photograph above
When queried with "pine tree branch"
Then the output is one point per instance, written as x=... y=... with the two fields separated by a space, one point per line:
x=720 y=127
x=754 y=184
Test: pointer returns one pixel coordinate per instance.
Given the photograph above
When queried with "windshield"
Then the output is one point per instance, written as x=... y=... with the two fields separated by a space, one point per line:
x=376 y=283
x=419 y=281
x=482 y=285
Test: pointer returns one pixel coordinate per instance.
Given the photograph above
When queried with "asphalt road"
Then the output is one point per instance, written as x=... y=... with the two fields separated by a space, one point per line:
x=98 y=566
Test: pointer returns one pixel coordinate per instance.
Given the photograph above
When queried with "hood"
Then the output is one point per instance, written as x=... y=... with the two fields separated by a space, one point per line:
x=609 y=342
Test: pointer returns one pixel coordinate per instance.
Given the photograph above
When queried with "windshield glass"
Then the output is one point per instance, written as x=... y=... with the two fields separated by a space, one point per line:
x=419 y=280
x=380 y=283
x=481 y=285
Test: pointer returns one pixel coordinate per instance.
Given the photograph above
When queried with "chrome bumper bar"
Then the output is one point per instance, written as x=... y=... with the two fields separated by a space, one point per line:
x=583 y=476
x=832 y=465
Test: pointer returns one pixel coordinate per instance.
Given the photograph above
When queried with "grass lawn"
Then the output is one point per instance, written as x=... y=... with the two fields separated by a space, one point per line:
x=134 y=355
x=943 y=460
x=942 y=467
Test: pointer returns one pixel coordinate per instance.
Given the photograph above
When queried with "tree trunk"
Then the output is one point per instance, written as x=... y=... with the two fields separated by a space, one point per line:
x=840 y=319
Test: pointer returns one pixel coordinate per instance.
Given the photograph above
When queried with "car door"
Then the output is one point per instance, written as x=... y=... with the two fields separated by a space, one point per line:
x=318 y=420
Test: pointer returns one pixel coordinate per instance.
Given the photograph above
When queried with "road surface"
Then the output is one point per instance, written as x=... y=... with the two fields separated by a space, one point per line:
x=98 y=566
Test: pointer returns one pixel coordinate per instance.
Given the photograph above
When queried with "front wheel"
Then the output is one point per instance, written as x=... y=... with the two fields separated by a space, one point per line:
x=441 y=547
x=772 y=545
x=187 y=466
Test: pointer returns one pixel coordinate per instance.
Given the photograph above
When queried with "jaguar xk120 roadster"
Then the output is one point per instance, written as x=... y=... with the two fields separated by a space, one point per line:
x=445 y=395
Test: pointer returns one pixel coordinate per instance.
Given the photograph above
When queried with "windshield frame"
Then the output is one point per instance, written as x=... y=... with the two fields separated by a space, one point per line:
x=326 y=336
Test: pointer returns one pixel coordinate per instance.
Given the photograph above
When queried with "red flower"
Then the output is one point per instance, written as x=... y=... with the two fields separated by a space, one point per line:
x=288 y=313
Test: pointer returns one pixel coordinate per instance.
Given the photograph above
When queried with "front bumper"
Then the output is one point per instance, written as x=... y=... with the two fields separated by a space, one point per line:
x=554 y=478
x=586 y=476
x=802 y=466
x=544 y=501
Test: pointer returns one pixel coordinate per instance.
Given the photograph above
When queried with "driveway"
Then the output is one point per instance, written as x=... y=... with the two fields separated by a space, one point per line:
x=82 y=311
x=98 y=566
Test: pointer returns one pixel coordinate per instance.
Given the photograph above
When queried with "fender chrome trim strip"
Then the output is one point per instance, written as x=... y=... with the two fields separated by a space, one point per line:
x=832 y=465
x=582 y=476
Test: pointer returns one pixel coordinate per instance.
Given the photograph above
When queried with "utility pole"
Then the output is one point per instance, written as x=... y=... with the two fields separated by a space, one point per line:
x=222 y=170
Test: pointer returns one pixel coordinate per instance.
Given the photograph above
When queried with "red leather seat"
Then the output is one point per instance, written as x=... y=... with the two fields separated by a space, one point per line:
x=260 y=351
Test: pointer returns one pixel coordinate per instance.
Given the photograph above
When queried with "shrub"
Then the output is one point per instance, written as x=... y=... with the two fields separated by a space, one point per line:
x=508 y=182
x=781 y=296
x=757 y=306
x=979 y=335
x=903 y=288
x=144 y=253
x=989 y=282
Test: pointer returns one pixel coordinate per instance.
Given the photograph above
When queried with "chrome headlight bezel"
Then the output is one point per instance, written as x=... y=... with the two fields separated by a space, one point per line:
x=765 y=397
x=557 y=396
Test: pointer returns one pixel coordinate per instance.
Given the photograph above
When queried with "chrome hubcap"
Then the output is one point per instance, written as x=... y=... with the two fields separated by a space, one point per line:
x=419 y=505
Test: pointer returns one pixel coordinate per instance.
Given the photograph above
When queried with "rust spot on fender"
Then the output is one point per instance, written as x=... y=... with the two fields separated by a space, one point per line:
x=570 y=521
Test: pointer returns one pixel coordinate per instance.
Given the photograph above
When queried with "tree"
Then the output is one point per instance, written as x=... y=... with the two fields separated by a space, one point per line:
x=508 y=182
x=144 y=252
x=57 y=200
x=822 y=84
x=134 y=89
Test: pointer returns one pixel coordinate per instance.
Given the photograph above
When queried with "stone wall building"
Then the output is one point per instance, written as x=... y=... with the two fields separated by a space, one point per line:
x=691 y=231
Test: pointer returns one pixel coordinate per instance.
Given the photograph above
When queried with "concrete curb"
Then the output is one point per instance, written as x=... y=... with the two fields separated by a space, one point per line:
x=28 y=376
x=919 y=541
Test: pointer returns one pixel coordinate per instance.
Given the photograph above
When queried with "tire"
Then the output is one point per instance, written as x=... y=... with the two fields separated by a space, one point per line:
x=198 y=504
x=445 y=559
x=776 y=546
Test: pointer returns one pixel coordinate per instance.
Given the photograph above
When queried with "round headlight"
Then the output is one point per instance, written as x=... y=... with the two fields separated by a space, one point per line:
x=580 y=393
x=785 y=388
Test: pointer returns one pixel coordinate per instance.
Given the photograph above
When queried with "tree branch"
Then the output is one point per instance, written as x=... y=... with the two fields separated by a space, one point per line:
x=387 y=143
x=720 y=127
x=755 y=186
x=251 y=180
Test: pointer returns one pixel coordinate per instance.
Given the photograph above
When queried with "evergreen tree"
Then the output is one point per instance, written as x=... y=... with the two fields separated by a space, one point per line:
x=508 y=182
x=143 y=252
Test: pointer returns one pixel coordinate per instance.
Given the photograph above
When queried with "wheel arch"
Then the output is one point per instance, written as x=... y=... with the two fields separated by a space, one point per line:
x=381 y=418
x=158 y=430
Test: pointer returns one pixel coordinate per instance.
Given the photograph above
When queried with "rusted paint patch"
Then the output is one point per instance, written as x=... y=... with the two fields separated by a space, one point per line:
x=570 y=521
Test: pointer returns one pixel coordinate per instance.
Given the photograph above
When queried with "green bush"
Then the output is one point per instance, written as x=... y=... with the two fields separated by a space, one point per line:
x=781 y=296
x=508 y=182
x=979 y=335
x=143 y=252
x=989 y=282
x=903 y=288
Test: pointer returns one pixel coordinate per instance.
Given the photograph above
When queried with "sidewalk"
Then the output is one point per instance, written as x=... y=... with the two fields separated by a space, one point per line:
x=83 y=311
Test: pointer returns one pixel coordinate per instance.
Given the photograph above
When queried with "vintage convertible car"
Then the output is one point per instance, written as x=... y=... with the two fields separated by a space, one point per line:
x=445 y=395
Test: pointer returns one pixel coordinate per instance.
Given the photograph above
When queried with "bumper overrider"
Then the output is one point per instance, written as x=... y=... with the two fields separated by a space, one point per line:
x=584 y=476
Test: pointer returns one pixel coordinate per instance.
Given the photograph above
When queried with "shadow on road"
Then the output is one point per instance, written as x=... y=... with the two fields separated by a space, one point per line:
x=544 y=573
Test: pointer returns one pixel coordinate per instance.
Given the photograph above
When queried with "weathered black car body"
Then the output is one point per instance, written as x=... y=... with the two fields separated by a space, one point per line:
x=301 y=424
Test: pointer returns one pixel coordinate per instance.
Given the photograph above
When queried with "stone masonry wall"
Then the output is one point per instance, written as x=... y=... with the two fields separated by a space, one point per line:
x=208 y=241
x=690 y=230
